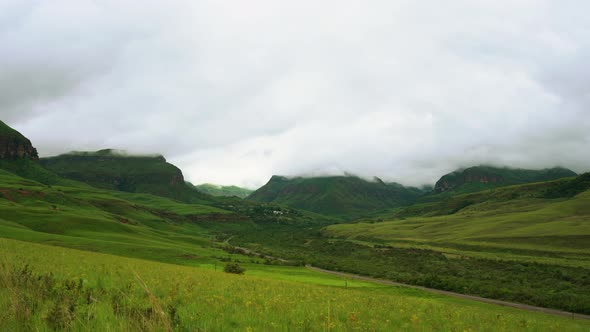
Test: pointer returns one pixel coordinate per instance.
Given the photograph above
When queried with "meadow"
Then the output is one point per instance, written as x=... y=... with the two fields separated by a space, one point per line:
x=45 y=287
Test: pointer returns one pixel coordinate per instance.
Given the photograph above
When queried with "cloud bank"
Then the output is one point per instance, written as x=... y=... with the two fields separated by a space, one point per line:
x=233 y=91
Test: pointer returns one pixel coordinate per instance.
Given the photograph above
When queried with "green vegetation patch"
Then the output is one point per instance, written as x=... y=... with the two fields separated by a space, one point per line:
x=46 y=288
x=217 y=190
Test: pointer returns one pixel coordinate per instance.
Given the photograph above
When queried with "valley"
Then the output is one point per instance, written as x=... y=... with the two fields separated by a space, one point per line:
x=91 y=240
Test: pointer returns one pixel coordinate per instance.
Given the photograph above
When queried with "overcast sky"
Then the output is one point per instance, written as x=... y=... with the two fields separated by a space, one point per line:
x=235 y=91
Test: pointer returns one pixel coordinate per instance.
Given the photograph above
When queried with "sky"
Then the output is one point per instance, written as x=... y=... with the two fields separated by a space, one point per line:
x=235 y=91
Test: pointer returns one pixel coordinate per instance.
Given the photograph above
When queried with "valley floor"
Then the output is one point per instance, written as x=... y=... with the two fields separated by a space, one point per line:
x=349 y=276
x=46 y=287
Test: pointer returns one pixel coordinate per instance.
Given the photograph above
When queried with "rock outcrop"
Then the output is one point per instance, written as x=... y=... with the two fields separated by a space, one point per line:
x=13 y=145
x=448 y=184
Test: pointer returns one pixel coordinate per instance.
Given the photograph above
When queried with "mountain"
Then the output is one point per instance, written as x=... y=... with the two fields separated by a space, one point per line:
x=13 y=145
x=340 y=196
x=486 y=177
x=18 y=156
x=217 y=190
x=116 y=170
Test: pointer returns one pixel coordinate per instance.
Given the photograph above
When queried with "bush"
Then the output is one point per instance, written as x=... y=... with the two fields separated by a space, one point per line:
x=233 y=268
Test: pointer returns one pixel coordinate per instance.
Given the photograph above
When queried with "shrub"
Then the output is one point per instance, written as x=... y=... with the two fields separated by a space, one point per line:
x=233 y=268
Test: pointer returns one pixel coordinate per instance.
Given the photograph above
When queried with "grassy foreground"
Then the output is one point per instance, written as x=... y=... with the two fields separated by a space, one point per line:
x=44 y=288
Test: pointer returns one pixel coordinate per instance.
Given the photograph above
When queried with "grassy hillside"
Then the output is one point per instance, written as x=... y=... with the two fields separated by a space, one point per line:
x=32 y=170
x=91 y=219
x=128 y=224
x=113 y=170
x=530 y=223
x=487 y=177
x=514 y=226
x=446 y=204
x=217 y=190
x=341 y=196
x=91 y=291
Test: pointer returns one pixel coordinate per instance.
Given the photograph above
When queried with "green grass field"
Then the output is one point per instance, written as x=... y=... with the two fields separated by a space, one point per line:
x=77 y=290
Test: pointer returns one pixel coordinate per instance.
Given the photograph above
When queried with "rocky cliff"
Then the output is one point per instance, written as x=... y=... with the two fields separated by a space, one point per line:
x=13 y=145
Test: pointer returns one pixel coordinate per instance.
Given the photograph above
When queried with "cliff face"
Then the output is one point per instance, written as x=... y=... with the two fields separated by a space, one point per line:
x=13 y=145
x=448 y=183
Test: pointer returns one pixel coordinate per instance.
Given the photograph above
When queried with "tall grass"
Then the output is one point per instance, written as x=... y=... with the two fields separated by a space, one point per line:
x=65 y=289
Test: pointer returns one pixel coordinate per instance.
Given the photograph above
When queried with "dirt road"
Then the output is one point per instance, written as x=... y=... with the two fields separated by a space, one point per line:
x=458 y=295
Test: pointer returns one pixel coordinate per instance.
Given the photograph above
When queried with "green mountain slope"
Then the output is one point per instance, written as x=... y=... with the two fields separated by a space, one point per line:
x=217 y=190
x=127 y=224
x=487 y=177
x=113 y=170
x=17 y=155
x=341 y=196
x=512 y=217
x=13 y=145
x=447 y=203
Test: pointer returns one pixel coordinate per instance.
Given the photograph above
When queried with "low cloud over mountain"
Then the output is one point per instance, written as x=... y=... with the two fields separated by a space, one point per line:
x=234 y=91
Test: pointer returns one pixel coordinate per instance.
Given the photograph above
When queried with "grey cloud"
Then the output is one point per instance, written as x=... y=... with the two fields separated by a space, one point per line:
x=235 y=91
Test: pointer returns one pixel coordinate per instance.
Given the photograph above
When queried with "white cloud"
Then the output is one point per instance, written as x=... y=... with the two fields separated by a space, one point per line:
x=236 y=91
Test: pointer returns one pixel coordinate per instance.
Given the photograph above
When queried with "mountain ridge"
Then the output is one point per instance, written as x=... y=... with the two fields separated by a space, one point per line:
x=343 y=196
x=475 y=178
x=115 y=170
